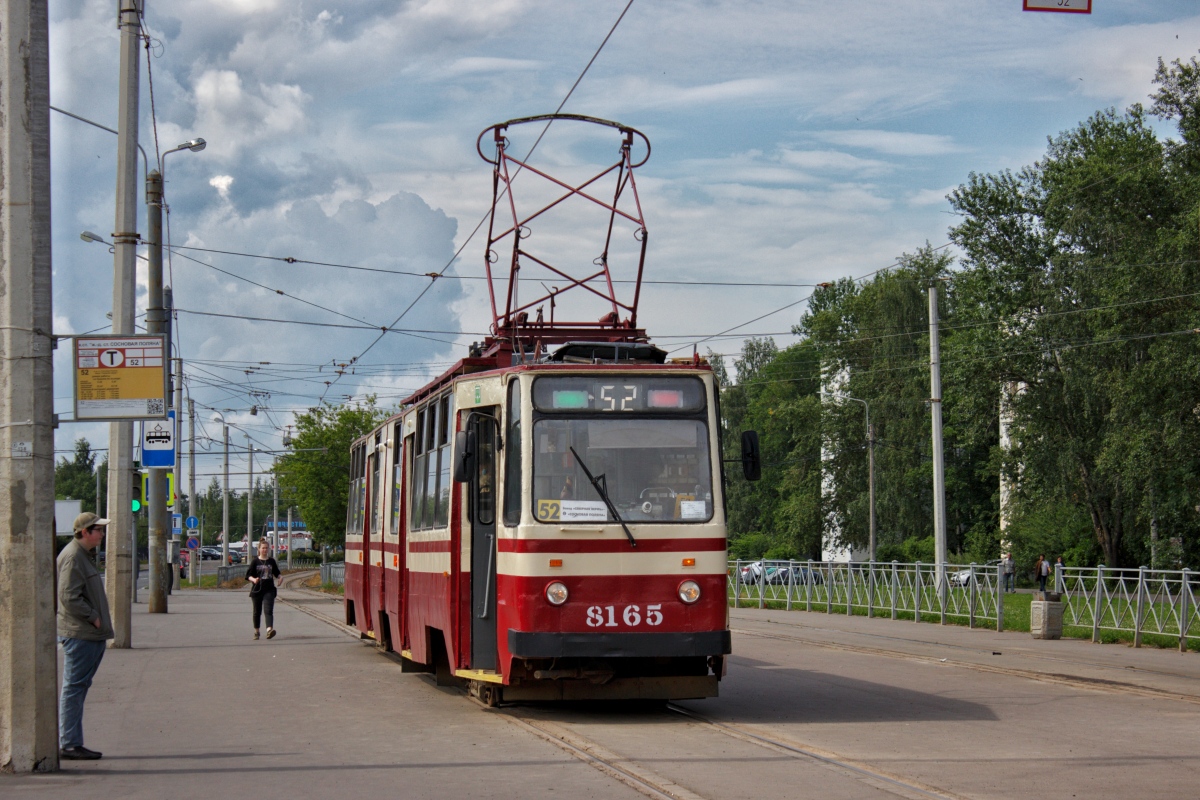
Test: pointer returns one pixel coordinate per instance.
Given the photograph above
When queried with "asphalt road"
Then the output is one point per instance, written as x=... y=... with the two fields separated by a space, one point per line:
x=813 y=706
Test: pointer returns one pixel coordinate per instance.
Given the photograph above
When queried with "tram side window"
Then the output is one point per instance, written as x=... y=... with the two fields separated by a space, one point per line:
x=443 y=442
x=376 y=460
x=512 y=457
x=431 y=466
x=350 y=499
x=418 y=473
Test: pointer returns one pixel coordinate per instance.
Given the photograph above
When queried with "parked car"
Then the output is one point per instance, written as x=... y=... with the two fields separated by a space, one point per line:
x=962 y=577
x=795 y=576
x=751 y=572
x=210 y=554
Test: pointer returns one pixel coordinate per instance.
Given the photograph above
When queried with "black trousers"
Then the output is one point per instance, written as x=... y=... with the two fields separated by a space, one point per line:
x=264 y=603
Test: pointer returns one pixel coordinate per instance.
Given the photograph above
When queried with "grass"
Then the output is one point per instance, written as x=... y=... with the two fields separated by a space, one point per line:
x=1016 y=618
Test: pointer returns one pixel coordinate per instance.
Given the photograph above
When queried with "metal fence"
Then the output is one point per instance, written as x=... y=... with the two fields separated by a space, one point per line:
x=1141 y=601
x=972 y=593
x=334 y=572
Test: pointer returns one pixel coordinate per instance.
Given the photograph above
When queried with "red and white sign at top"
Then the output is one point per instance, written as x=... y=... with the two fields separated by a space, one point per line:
x=1065 y=6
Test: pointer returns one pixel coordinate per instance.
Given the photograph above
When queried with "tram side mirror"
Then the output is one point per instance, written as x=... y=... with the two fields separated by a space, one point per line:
x=464 y=456
x=751 y=456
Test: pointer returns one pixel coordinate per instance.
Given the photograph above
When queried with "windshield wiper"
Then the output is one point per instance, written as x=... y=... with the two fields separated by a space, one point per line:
x=599 y=485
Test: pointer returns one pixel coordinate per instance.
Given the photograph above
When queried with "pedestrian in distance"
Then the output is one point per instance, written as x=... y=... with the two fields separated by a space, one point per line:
x=1009 y=568
x=262 y=573
x=1060 y=576
x=1042 y=571
x=84 y=628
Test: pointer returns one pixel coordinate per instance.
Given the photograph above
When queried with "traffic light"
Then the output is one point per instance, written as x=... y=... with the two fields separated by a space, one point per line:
x=139 y=482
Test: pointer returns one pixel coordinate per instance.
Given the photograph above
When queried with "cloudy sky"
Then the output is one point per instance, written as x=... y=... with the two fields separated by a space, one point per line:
x=794 y=142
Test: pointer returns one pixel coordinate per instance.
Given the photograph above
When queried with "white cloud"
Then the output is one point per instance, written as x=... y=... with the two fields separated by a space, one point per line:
x=895 y=143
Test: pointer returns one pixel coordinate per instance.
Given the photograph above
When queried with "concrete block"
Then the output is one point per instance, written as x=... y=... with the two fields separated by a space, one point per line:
x=1046 y=619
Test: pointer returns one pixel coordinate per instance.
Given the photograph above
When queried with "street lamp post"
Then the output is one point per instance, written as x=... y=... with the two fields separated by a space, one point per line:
x=870 y=470
x=224 y=492
x=155 y=324
x=249 y=500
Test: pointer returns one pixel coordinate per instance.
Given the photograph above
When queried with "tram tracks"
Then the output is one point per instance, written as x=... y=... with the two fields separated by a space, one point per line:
x=628 y=770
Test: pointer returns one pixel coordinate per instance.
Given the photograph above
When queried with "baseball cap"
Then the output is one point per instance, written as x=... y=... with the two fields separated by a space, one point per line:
x=87 y=520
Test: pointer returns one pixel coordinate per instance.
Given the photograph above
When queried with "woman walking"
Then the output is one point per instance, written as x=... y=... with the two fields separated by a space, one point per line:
x=262 y=573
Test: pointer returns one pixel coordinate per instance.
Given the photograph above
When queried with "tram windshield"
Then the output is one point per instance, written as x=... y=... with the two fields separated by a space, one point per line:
x=653 y=462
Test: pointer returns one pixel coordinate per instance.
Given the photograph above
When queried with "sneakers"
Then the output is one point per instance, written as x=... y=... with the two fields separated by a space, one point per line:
x=270 y=633
x=256 y=635
x=79 y=753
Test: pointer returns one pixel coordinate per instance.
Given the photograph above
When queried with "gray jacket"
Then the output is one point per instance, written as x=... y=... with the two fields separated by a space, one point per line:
x=81 y=598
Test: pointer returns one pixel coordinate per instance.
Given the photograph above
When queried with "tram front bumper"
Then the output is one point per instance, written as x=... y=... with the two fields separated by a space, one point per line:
x=526 y=644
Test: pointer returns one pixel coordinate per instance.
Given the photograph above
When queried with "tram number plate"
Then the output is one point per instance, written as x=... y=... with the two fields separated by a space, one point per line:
x=632 y=616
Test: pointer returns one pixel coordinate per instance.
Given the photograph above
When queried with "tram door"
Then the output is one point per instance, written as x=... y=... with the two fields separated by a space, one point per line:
x=483 y=541
x=369 y=516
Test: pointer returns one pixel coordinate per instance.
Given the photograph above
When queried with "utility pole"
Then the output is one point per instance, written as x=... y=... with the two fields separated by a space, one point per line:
x=177 y=404
x=249 y=500
x=274 y=513
x=191 y=504
x=156 y=483
x=871 y=483
x=28 y=690
x=120 y=558
x=289 y=539
x=225 y=499
x=939 y=464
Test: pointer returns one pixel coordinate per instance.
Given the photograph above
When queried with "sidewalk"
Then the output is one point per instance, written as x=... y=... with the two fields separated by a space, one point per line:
x=1115 y=667
x=198 y=709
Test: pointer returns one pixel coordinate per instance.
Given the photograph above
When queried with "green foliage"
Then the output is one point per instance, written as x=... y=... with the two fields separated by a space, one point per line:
x=1069 y=320
x=749 y=547
x=75 y=478
x=315 y=475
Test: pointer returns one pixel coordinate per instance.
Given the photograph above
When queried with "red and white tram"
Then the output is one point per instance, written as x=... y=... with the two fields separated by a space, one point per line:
x=549 y=525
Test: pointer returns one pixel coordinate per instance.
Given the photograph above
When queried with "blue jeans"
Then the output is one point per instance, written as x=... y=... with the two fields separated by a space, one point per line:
x=1008 y=582
x=81 y=658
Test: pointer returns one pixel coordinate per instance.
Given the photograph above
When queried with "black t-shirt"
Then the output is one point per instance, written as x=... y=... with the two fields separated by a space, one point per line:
x=266 y=571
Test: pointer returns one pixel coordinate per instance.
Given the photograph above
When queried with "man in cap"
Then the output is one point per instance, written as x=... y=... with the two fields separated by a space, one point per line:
x=84 y=627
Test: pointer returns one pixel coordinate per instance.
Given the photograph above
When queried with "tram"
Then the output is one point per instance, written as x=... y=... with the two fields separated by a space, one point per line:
x=546 y=519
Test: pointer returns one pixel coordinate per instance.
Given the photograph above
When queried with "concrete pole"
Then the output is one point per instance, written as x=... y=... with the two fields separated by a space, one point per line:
x=871 y=483
x=289 y=539
x=225 y=500
x=28 y=673
x=156 y=482
x=120 y=558
x=191 y=503
x=249 y=501
x=939 y=464
x=274 y=513
x=169 y=302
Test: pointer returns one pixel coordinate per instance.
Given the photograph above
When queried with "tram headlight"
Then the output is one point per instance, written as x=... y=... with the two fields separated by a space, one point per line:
x=556 y=593
x=689 y=591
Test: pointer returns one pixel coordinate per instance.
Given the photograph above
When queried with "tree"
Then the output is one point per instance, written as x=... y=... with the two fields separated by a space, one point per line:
x=75 y=478
x=315 y=475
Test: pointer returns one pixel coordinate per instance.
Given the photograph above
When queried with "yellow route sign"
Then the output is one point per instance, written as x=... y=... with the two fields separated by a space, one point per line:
x=120 y=377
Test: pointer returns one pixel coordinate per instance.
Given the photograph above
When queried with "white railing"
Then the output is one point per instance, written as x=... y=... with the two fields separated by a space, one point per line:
x=972 y=593
x=1139 y=600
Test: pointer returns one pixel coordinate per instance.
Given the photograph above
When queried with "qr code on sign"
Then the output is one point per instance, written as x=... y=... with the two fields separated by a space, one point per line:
x=154 y=407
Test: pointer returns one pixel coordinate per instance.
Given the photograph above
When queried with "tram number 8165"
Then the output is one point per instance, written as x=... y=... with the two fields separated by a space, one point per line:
x=606 y=616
